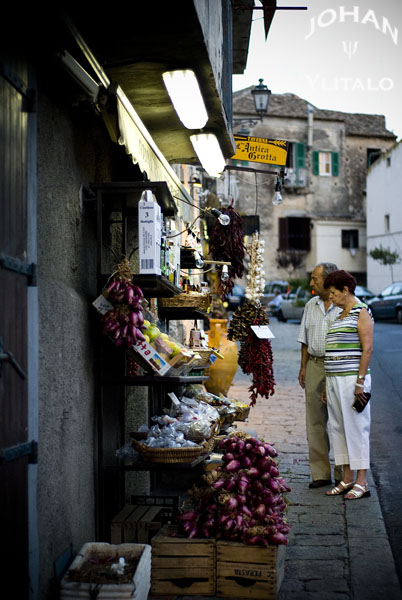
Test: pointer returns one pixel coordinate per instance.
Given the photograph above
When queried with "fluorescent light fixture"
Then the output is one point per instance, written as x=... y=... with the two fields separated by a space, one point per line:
x=185 y=94
x=209 y=152
x=80 y=75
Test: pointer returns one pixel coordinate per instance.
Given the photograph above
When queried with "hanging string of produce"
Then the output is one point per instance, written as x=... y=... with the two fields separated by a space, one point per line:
x=255 y=355
x=123 y=322
x=226 y=245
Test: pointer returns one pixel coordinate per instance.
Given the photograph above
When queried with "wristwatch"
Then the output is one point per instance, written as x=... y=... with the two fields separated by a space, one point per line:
x=360 y=377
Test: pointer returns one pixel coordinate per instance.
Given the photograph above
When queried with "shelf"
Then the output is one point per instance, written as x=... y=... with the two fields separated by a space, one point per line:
x=187 y=260
x=153 y=286
x=142 y=465
x=153 y=380
x=185 y=313
x=132 y=191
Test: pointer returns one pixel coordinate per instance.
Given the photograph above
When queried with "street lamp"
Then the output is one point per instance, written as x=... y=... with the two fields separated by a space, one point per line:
x=261 y=95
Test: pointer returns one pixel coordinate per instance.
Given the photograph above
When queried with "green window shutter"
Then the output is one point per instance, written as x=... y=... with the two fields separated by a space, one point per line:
x=316 y=168
x=300 y=156
x=335 y=163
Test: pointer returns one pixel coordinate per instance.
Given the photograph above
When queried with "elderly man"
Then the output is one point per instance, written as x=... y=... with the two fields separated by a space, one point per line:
x=318 y=316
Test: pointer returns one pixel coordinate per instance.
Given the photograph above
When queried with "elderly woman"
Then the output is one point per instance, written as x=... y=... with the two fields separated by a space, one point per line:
x=349 y=345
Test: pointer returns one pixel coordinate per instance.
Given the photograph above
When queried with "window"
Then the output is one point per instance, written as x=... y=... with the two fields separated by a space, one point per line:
x=294 y=233
x=386 y=223
x=387 y=291
x=372 y=155
x=325 y=163
x=350 y=238
x=296 y=156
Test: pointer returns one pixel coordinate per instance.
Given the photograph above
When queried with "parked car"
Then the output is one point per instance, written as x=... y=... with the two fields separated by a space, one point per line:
x=388 y=303
x=271 y=287
x=363 y=293
x=293 y=307
x=236 y=297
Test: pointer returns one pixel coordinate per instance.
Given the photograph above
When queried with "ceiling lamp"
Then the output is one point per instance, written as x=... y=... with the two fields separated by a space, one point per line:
x=277 y=198
x=223 y=218
x=185 y=94
x=209 y=153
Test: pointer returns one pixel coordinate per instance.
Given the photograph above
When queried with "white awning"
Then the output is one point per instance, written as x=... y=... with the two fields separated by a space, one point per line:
x=133 y=134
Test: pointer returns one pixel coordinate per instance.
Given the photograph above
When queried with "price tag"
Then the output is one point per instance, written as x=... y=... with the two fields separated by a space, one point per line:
x=102 y=305
x=262 y=331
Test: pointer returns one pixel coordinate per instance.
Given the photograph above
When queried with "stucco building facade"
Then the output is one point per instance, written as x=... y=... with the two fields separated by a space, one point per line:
x=384 y=216
x=323 y=213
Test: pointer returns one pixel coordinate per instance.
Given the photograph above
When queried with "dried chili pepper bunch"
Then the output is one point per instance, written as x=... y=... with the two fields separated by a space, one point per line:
x=255 y=276
x=256 y=358
x=243 y=317
x=226 y=244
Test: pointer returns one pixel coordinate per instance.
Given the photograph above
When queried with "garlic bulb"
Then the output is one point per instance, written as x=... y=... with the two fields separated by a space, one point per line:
x=255 y=277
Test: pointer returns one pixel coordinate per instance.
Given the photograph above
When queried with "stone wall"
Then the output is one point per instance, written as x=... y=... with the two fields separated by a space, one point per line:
x=73 y=149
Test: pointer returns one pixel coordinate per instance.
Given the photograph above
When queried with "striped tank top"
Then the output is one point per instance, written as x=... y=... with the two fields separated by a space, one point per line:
x=343 y=348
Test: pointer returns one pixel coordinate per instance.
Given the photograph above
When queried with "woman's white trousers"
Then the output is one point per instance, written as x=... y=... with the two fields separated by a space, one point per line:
x=349 y=430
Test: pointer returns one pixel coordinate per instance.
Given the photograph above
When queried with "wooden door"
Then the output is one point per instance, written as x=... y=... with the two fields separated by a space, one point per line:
x=16 y=450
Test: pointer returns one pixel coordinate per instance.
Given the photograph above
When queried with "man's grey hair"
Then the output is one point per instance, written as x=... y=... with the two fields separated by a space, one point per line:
x=327 y=268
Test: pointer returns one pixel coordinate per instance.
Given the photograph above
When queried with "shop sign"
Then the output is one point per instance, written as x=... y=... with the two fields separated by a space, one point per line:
x=261 y=150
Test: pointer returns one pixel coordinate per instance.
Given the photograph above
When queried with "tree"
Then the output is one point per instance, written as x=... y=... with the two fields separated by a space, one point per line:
x=385 y=256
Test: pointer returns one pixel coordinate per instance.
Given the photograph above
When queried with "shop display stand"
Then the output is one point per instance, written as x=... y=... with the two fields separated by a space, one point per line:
x=111 y=379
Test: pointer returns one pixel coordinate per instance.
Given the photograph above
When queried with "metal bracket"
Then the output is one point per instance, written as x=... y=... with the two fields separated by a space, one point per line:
x=18 y=266
x=15 y=452
x=9 y=357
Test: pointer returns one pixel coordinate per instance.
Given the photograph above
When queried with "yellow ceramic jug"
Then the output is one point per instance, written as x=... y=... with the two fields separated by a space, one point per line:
x=222 y=371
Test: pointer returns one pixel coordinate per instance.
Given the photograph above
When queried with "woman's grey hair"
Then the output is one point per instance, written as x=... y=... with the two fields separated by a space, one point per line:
x=327 y=268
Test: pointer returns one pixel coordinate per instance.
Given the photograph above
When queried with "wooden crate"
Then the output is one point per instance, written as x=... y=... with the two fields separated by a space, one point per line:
x=248 y=571
x=136 y=523
x=182 y=566
x=74 y=588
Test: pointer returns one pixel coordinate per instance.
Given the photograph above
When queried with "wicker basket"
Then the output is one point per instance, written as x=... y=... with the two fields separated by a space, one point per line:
x=172 y=455
x=242 y=413
x=200 y=301
x=204 y=361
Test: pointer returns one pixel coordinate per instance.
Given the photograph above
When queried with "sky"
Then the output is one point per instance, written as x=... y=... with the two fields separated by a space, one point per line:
x=344 y=56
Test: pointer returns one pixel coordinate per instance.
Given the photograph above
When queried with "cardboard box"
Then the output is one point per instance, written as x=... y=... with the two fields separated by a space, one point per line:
x=152 y=360
x=149 y=234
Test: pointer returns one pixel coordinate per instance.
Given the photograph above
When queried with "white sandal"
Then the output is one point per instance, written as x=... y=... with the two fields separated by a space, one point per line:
x=358 y=491
x=341 y=488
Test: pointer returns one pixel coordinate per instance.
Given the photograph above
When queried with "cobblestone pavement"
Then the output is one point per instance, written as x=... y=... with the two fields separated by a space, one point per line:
x=338 y=549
